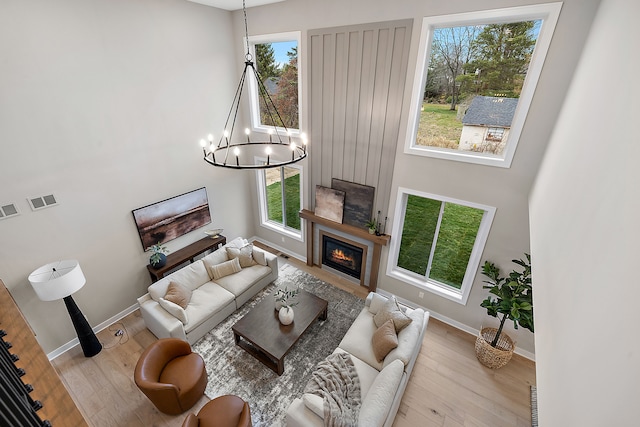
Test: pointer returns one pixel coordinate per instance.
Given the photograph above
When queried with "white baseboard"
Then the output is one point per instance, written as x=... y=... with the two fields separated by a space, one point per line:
x=74 y=342
x=280 y=248
x=454 y=323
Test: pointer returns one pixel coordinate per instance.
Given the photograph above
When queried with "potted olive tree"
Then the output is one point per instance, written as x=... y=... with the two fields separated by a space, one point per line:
x=509 y=298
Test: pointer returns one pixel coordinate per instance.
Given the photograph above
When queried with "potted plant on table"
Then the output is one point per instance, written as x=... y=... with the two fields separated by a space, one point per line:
x=158 y=258
x=285 y=300
x=510 y=297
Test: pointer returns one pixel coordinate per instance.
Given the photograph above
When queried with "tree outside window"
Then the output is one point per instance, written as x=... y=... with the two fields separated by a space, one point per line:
x=280 y=195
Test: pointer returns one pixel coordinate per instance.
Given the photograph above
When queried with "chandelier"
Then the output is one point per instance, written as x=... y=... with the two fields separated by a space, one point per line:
x=251 y=152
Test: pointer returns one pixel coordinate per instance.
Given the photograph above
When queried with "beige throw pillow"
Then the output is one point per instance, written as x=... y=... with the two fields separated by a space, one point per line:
x=384 y=340
x=174 y=309
x=391 y=310
x=260 y=257
x=244 y=254
x=178 y=294
x=224 y=269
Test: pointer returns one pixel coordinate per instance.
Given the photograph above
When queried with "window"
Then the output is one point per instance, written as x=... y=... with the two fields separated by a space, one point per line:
x=440 y=244
x=276 y=59
x=478 y=72
x=280 y=194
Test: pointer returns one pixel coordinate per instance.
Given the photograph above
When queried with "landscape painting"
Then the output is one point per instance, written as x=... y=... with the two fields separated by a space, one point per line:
x=172 y=218
x=329 y=203
x=358 y=202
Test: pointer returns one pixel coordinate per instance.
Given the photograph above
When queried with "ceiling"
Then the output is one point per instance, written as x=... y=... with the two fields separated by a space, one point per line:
x=234 y=4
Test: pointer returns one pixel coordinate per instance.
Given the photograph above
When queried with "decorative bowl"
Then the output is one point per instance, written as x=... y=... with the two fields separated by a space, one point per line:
x=214 y=233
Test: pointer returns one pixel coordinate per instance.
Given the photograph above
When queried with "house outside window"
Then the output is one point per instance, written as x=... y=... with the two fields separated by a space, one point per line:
x=440 y=242
x=474 y=70
x=276 y=57
x=280 y=195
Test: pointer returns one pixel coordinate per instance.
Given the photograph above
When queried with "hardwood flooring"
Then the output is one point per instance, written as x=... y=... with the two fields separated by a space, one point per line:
x=448 y=386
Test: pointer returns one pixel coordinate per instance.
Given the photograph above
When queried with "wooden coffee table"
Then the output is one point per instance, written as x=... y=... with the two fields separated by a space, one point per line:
x=269 y=341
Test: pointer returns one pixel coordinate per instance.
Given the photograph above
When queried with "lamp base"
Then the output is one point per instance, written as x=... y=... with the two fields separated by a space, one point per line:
x=88 y=340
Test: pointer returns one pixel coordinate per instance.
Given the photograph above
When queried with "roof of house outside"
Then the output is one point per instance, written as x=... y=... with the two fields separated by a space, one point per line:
x=490 y=111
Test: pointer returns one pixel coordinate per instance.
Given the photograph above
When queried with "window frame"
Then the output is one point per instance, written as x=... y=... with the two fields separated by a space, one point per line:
x=254 y=104
x=424 y=283
x=262 y=198
x=547 y=12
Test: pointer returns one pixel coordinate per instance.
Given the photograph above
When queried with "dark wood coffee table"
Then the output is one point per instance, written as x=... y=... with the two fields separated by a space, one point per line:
x=269 y=341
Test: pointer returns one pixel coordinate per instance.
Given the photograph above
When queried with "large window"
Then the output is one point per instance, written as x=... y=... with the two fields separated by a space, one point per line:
x=440 y=242
x=475 y=81
x=281 y=199
x=276 y=57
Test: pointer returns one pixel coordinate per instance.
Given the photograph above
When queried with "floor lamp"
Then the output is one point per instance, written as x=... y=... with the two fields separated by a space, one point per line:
x=58 y=280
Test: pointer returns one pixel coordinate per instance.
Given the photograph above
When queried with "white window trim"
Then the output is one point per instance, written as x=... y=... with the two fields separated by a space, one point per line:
x=254 y=108
x=458 y=295
x=548 y=13
x=262 y=199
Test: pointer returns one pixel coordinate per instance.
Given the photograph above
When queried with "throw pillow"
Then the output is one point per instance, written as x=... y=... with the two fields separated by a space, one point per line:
x=178 y=294
x=260 y=257
x=384 y=340
x=315 y=403
x=391 y=310
x=245 y=254
x=175 y=310
x=224 y=268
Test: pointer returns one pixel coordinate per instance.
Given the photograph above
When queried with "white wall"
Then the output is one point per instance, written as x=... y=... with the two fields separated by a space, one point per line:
x=103 y=103
x=506 y=189
x=584 y=234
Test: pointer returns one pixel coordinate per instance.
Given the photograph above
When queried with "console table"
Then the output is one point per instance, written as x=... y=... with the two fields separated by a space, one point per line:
x=188 y=253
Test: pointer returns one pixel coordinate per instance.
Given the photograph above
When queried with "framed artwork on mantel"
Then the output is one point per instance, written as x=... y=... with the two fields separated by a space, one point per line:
x=358 y=202
x=329 y=203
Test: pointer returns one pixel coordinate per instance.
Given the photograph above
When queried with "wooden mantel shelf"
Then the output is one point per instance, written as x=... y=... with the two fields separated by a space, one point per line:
x=378 y=241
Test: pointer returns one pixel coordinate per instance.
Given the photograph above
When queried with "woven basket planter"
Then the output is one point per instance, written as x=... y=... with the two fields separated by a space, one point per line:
x=493 y=357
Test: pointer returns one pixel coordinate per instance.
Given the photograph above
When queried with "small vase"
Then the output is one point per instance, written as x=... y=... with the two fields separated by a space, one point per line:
x=161 y=262
x=285 y=315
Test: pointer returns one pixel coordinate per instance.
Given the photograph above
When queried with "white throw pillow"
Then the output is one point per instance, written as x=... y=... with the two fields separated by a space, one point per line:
x=379 y=399
x=223 y=269
x=260 y=257
x=315 y=403
x=245 y=254
x=174 y=309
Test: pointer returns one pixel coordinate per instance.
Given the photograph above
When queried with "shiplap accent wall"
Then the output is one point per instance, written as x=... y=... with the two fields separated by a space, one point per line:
x=356 y=79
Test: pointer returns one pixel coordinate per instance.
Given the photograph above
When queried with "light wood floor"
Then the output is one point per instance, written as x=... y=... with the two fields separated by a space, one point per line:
x=448 y=386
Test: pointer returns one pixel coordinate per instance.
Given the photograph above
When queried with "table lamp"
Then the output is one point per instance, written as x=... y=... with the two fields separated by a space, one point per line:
x=58 y=280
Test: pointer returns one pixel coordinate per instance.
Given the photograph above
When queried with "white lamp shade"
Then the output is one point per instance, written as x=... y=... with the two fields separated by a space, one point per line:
x=57 y=280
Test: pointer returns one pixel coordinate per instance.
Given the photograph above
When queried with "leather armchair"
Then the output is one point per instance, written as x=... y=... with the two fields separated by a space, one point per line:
x=171 y=375
x=223 y=411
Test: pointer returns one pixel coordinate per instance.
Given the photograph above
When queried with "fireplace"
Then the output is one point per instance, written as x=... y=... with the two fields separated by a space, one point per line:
x=342 y=256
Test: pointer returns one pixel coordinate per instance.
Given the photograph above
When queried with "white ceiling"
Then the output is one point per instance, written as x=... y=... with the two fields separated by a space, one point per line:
x=234 y=4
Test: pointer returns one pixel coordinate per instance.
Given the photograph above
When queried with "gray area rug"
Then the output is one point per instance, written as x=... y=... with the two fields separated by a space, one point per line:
x=233 y=371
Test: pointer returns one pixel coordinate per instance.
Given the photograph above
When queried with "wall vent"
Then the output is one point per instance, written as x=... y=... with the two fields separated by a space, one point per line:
x=8 y=210
x=41 y=202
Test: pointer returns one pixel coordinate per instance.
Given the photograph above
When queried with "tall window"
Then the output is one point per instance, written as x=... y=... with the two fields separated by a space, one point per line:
x=276 y=57
x=280 y=199
x=477 y=71
x=441 y=242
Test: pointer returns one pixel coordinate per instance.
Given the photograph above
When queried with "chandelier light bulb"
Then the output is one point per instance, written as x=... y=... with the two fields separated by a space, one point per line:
x=226 y=133
x=210 y=137
x=236 y=151
x=203 y=143
x=267 y=150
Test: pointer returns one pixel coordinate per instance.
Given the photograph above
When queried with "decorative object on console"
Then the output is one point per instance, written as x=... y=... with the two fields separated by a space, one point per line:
x=58 y=280
x=158 y=259
x=171 y=218
x=329 y=203
x=279 y=150
x=358 y=201
x=514 y=300
x=214 y=233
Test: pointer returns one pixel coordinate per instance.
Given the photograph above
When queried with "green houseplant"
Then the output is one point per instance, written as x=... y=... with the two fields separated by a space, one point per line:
x=372 y=226
x=509 y=298
x=158 y=258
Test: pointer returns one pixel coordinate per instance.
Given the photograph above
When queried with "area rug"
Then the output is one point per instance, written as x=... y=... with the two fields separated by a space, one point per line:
x=534 y=406
x=233 y=371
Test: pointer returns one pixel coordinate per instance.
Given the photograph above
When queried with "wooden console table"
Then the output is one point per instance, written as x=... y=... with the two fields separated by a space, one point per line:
x=188 y=253
x=378 y=241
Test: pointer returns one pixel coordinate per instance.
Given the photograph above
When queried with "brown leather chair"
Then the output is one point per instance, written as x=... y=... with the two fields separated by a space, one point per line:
x=223 y=411
x=171 y=375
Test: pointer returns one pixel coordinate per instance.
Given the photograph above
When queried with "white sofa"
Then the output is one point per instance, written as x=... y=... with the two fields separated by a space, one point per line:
x=211 y=300
x=382 y=384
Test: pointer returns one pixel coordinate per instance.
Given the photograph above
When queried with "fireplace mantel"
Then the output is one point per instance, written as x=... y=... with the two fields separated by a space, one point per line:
x=378 y=241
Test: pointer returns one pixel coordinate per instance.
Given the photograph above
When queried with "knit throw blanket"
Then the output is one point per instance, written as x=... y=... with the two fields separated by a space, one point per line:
x=336 y=381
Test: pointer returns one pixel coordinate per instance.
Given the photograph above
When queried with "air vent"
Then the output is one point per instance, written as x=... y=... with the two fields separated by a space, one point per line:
x=41 y=202
x=8 y=210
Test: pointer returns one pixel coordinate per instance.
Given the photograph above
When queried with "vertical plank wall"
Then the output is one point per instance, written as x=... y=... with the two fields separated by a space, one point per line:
x=357 y=76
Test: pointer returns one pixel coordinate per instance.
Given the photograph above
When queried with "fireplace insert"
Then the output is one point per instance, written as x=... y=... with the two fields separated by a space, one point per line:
x=342 y=256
